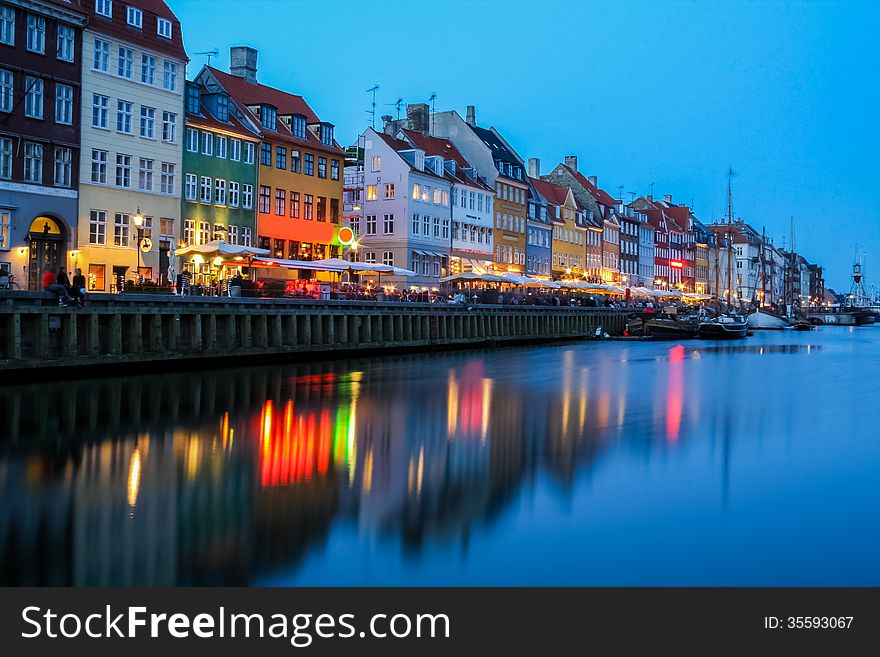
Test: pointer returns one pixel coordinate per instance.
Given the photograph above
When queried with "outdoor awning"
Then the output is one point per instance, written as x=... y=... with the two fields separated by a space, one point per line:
x=294 y=264
x=220 y=248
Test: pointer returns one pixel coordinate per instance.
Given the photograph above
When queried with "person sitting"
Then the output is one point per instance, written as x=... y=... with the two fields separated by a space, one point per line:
x=50 y=284
x=78 y=287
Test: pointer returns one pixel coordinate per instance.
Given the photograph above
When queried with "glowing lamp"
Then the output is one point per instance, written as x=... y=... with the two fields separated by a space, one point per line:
x=138 y=218
x=218 y=261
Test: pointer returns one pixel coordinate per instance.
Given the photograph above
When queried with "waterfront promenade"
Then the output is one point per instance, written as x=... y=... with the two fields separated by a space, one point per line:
x=115 y=330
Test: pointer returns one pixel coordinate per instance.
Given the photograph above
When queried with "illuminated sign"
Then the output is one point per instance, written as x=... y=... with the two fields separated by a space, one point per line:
x=676 y=264
x=345 y=235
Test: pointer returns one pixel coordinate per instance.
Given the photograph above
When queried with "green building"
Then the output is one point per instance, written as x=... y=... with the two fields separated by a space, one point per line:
x=220 y=176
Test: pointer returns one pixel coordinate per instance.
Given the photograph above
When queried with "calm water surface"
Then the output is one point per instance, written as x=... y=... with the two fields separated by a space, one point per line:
x=615 y=463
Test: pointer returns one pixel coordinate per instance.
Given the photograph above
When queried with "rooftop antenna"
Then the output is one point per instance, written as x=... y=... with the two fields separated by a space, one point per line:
x=652 y=191
x=431 y=100
x=398 y=104
x=209 y=53
x=632 y=196
x=372 y=110
x=620 y=192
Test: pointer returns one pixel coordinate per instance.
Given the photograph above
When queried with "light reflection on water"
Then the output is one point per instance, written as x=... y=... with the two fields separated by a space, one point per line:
x=611 y=463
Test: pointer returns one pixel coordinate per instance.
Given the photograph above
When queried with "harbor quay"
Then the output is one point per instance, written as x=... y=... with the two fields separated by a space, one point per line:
x=36 y=334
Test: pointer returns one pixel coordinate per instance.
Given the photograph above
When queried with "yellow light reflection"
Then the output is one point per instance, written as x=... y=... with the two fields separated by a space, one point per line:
x=134 y=478
x=452 y=405
x=487 y=400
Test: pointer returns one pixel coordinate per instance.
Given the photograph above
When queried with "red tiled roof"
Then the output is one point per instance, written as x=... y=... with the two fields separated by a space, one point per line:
x=146 y=37
x=439 y=147
x=602 y=197
x=398 y=145
x=556 y=194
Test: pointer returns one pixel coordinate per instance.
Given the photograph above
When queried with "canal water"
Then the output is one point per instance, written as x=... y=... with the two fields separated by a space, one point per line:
x=615 y=463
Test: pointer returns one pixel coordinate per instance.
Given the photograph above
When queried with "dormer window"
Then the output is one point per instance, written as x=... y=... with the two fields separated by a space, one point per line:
x=326 y=134
x=268 y=116
x=298 y=126
x=104 y=8
x=163 y=28
x=193 y=99
x=134 y=17
x=223 y=107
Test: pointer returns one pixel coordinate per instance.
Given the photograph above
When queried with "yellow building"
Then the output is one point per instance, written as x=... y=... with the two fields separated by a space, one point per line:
x=299 y=180
x=568 y=256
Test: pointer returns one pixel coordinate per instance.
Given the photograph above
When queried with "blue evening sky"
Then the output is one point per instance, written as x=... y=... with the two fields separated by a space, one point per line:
x=665 y=92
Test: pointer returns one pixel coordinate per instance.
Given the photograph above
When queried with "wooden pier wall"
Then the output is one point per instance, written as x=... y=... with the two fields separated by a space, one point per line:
x=114 y=330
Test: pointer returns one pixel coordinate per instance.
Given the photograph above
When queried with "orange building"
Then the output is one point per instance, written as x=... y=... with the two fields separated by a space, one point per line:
x=299 y=179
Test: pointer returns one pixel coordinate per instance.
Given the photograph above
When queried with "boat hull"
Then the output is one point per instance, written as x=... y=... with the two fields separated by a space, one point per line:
x=766 y=321
x=658 y=328
x=720 y=331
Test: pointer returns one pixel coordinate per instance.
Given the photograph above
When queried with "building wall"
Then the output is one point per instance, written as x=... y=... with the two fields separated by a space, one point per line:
x=569 y=244
x=107 y=196
x=510 y=224
x=646 y=254
x=539 y=251
x=474 y=220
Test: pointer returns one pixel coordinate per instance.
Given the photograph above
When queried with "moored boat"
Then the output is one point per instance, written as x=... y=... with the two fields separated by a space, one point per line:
x=761 y=319
x=724 y=327
x=663 y=327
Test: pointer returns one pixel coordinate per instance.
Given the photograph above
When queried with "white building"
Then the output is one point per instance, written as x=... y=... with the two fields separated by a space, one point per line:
x=134 y=70
x=406 y=211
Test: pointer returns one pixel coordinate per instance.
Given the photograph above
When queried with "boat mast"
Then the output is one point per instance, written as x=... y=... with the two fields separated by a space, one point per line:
x=763 y=270
x=729 y=222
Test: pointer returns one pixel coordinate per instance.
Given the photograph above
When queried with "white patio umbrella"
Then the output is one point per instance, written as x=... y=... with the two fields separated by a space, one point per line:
x=220 y=248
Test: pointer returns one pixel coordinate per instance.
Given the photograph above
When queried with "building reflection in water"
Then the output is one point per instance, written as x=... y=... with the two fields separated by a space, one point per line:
x=226 y=476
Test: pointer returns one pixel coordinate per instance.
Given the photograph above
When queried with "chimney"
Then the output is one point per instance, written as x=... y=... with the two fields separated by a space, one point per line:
x=571 y=161
x=471 y=117
x=534 y=167
x=243 y=63
x=418 y=117
x=593 y=180
x=668 y=198
x=387 y=126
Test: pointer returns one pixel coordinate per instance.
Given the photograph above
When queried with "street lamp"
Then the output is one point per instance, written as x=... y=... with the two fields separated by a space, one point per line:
x=138 y=220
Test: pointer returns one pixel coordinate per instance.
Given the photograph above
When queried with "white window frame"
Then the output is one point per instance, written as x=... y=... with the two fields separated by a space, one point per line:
x=163 y=28
x=134 y=17
x=63 y=104
x=66 y=43
x=191 y=188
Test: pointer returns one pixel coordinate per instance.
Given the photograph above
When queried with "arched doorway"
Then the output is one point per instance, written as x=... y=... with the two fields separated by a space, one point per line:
x=47 y=241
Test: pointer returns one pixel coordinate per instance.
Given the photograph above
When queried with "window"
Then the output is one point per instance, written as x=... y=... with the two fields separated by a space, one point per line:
x=163 y=28
x=166 y=183
x=63 y=168
x=268 y=116
x=445 y=233
x=134 y=17
x=248 y=153
x=280 y=157
x=190 y=188
x=245 y=236
x=7 y=25
x=370 y=224
x=370 y=257
x=192 y=140
x=169 y=77
x=5 y=158
x=327 y=135
x=36 y=34
x=322 y=208
x=6 y=90
x=436 y=226
x=295 y=162
x=102 y=55
x=125 y=62
x=417 y=192
x=355 y=223
x=438 y=197
x=145 y=175
x=334 y=210
x=220 y=191
x=334 y=169
x=233 y=232
x=388 y=258
x=388 y=225
x=99 y=166
x=148 y=69
x=207 y=143
x=294 y=205
x=265 y=198
x=266 y=154
x=123 y=170
x=148 y=119
x=235 y=150
x=104 y=8
x=33 y=97
x=205 y=189
x=247 y=196
x=280 y=202
x=426 y=225
x=415 y=224
x=309 y=168
x=169 y=129
x=371 y=192
x=189 y=230
x=121 y=225
x=233 y=194
x=97 y=227
x=322 y=167
x=63 y=104
x=376 y=163
x=389 y=190
x=298 y=126
x=308 y=201
x=123 y=116
x=65 y=43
